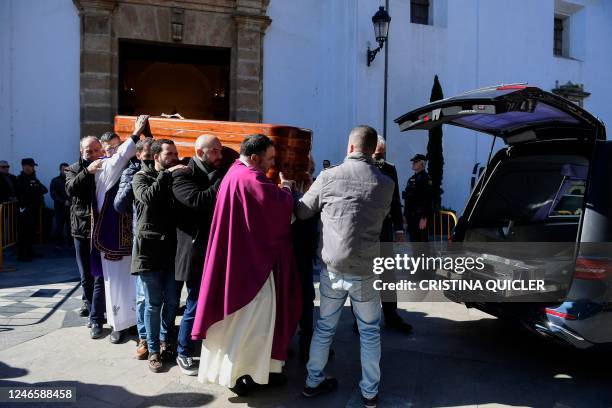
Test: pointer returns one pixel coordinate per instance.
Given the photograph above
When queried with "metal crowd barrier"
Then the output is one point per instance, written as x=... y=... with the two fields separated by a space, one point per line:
x=8 y=229
x=442 y=227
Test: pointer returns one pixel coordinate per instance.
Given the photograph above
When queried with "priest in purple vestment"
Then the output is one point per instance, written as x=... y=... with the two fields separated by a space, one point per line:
x=250 y=296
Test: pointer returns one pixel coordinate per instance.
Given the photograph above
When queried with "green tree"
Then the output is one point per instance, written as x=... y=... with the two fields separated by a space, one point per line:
x=435 y=156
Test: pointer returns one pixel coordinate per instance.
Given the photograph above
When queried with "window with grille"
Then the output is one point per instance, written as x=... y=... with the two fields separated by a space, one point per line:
x=558 y=36
x=419 y=11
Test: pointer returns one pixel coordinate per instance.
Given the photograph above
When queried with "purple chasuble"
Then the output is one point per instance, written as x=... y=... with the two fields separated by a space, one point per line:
x=250 y=237
x=111 y=232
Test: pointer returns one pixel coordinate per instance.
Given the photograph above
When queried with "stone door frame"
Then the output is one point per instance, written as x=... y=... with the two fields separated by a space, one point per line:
x=238 y=25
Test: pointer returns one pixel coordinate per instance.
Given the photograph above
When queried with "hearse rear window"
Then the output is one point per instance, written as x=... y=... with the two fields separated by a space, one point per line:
x=535 y=198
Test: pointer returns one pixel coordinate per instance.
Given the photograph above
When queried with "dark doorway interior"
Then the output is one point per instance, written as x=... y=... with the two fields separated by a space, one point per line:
x=156 y=79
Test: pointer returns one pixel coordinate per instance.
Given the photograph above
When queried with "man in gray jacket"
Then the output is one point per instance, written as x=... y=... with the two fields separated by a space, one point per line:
x=353 y=198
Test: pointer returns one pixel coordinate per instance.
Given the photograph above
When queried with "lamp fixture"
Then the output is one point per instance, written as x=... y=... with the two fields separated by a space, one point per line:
x=381 y=22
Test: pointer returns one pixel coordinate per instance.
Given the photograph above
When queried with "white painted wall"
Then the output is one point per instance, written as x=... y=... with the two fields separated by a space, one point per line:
x=39 y=84
x=313 y=54
x=315 y=72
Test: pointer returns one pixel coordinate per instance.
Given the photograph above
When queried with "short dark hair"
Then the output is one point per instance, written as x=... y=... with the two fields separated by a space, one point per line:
x=147 y=141
x=364 y=138
x=156 y=146
x=63 y=165
x=255 y=144
x=108 y=136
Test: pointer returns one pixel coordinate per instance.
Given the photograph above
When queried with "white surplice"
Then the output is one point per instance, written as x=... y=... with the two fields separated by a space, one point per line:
x=119 y=284
x=241 y=344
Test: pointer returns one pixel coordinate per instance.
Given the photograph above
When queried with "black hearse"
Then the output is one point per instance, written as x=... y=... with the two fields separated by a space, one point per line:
x=551 y=183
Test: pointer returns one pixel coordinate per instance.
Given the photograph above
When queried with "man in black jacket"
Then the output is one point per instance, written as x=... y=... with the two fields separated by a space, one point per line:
x=30 y=192
x=80 y=186
x=195 y=189
x=124 y=203
x=155 y=245
x=8 y=183
x=61 y=205
x=392 y=231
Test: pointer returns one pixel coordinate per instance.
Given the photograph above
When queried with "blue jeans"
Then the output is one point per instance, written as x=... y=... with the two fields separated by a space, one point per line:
x=140 y=309
x=365 y=299
x=185 y=345
x=160 y=306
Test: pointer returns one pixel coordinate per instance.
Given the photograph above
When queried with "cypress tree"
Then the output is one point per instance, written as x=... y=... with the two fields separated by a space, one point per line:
x=435 y=166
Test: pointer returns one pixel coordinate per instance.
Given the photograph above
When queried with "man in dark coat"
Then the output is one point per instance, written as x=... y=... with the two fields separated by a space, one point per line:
x=305 y=243
x=8 y=183
x=418 y=200
x=30 y=192
x=195 y=189
x=61 y=205
x=80 y=186
x=392 y=231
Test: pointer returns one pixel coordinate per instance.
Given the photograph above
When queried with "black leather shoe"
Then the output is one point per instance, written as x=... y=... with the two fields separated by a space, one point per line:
x=96 y=331
x=244 y=386
x=116 y=336
x=370 y=402
x=84 y=311
x=328 y=385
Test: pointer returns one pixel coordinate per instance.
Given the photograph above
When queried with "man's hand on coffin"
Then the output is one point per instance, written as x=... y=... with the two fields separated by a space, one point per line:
x=177 y=167
x=94 y=166
x=140 y=124
x=286 y=182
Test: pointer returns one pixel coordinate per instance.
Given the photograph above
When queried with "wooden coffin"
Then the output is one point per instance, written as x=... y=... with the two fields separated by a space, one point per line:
x=292 y=144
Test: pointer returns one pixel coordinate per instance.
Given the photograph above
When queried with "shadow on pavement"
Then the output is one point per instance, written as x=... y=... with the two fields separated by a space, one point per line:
x=51 y=266
x=102 y=395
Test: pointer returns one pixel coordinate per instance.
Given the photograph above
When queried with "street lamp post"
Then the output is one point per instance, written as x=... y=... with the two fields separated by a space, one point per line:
x=381 y=22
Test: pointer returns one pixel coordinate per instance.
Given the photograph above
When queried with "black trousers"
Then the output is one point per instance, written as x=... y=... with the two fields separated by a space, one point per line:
x=308 y=296
x=27 y=221
x=414 y=233
x=389 y=297
x=61 y=231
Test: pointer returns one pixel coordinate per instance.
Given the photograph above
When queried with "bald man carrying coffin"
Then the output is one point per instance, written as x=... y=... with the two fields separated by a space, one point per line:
x=195 y=190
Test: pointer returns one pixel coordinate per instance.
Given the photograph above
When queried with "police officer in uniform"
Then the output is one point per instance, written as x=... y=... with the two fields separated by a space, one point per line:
x=30 y=192
x=418 y=206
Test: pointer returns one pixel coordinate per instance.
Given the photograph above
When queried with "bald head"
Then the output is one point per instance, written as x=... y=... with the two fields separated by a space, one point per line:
x=363 y=139
x=208 y=149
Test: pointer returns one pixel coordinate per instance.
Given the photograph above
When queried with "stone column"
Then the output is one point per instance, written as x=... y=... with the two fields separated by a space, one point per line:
x=97 y=110
x=247 y=87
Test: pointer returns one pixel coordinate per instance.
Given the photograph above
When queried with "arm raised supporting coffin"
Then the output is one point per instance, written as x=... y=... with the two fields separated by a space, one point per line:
x=292 y=144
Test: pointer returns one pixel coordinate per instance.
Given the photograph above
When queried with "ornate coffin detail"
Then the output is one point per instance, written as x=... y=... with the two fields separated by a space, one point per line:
x=292 y=144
